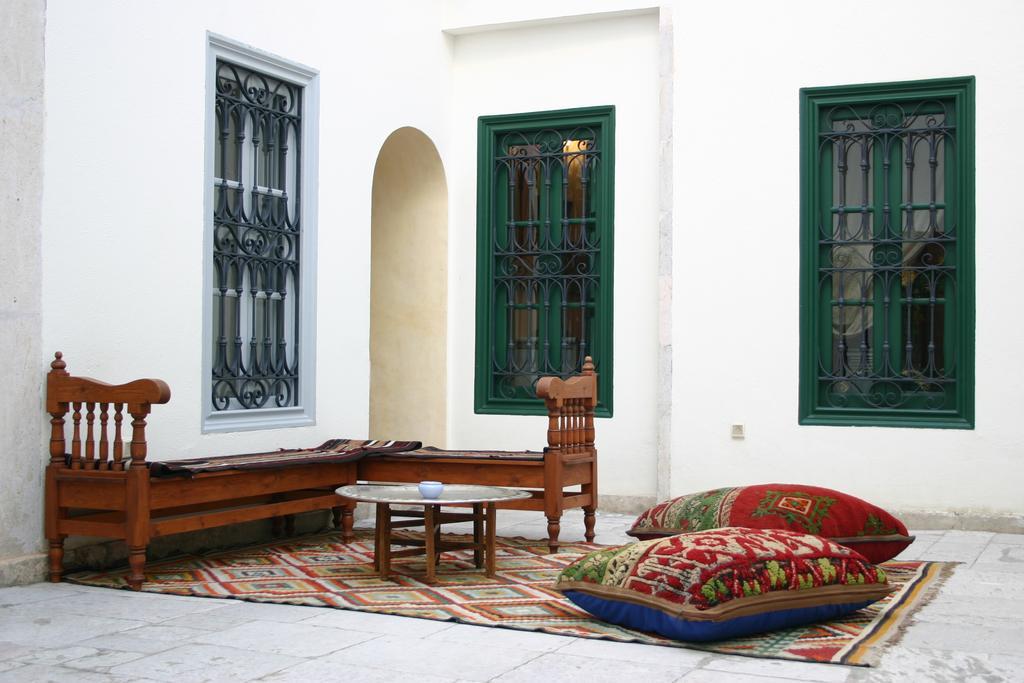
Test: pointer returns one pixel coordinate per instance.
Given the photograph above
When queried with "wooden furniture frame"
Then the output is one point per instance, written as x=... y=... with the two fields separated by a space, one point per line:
x=99 y=490
x=569 y=460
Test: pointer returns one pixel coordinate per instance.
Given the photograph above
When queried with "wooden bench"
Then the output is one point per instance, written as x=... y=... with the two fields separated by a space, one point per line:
x=97 y=489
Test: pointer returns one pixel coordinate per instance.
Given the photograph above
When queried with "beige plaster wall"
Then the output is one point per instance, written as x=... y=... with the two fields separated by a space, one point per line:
x=22 y=424
x=408 y=291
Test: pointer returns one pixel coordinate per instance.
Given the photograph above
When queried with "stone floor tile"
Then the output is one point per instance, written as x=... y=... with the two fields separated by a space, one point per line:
x=209 y=620
x=201 y=663
x=941 y=666
x=324 y=670
x=713 y=676
x=44 y=673
x=58 y=630
x=473 y=636
x=973 y=537
x=778 y=668
x=964 y=638
x=968 y=582
x=635 y=652
x=265 y=611
x=57 y=655
x=369 y=622
x=126 y=605
x=17 y=595
x=1006 y=567
x=980 y=611
x=146 y=639
x=953 y=552
x=103 y=661
x=9 y=650
x=295 y=640
x=434 y=657
x=10 y=664
x=562 y=667
x=1011 y=539
x=1000 y=557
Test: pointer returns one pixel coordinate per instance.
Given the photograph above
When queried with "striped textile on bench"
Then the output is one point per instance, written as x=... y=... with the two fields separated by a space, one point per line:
x=333 y=451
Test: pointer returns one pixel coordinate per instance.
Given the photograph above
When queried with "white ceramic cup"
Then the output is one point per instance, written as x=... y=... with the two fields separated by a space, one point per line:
x=431 y=489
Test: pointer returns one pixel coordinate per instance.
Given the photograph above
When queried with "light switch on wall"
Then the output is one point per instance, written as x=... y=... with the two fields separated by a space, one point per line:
x=737 y=432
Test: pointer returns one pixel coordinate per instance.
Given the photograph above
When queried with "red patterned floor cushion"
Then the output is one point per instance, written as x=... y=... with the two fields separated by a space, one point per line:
x=723 y=583
x=840 y=517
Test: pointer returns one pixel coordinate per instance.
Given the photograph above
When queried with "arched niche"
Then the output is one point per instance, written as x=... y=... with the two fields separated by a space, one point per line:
x=409 y=291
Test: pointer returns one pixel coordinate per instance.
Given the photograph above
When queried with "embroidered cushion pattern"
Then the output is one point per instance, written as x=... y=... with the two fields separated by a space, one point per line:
x=724 y=583
x=799 y=509
x=846 y=519
x=704 y=569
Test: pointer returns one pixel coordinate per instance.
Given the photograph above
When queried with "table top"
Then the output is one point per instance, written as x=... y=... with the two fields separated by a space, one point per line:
x=453 y=494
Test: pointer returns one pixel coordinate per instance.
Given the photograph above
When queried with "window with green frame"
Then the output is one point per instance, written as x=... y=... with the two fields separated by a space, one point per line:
x=544 y=254
x=887 y=254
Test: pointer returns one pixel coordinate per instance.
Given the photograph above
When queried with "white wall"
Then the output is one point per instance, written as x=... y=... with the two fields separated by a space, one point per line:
x=739 y=68
x=605 y=62
x=123 y=213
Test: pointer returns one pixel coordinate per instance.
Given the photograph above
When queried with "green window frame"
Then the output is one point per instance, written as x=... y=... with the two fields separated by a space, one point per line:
x=887 y=254
x=545 y=208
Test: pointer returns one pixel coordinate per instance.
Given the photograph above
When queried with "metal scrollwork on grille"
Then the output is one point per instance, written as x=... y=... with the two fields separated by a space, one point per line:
x=256 y=226
x=887 y=254
x=545 y=274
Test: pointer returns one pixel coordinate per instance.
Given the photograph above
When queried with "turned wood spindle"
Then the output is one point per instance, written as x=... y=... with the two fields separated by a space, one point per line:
x=76 y=436
x=90 y=445
x=138 y=445
x=118 y=441
x=57 y=445
x=104 y=445
x=554 y=426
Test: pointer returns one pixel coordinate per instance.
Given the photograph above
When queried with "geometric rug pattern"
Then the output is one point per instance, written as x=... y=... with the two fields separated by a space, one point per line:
x=322 y=571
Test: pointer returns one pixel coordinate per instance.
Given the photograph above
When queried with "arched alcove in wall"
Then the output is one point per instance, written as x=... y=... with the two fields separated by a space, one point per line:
x=409 y=291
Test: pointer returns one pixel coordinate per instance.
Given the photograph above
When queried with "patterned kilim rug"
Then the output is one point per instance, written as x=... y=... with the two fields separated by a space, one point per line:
x=321 y=571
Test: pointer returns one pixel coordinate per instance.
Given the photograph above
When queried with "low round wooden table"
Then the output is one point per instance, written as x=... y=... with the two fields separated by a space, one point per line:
x=431 y=518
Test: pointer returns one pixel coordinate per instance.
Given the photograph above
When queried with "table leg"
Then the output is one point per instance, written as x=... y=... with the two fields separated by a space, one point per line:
x=478 y=535
x=385 y=545
x=378 y=539
x=430 y=539
x=489 y=543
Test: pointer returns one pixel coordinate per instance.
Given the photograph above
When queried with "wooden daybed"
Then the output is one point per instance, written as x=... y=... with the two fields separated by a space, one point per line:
x=99 y=489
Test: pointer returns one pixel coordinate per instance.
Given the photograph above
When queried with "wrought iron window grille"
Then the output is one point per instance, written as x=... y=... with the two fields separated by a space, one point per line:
x=888 y=211
x=257 y=233
x=545 y=238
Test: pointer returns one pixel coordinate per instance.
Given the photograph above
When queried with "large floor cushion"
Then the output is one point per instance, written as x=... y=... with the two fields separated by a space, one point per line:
x=723 y=583
x=838 y=516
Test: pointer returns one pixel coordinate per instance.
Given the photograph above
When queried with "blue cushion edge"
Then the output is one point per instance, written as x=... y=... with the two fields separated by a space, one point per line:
x=643 y=618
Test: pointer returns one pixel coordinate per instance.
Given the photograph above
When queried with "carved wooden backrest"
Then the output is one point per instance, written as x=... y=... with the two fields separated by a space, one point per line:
x=101 y=447
x=570 y=405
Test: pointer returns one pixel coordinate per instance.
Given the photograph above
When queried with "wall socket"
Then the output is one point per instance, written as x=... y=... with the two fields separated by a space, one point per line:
x=736 y=432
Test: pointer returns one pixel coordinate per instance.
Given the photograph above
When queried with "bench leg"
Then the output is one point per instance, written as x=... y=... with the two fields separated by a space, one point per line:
x=137 y=563
x=554 y=528
x=589 y=518
x=57 y=558
x=347 y=522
